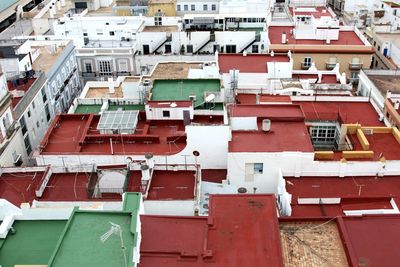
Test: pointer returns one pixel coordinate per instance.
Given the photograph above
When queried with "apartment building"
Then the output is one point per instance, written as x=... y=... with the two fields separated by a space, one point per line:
x=12 y=146
x=316 y=39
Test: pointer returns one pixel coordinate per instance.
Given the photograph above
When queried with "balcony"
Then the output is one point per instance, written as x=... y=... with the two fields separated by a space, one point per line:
x=305 y=65
x=123 y=73
x=355 y=65
x=88 y=74
x=330 y=65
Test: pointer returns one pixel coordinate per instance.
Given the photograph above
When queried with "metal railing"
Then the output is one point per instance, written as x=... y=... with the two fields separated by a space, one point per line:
x=355 y=66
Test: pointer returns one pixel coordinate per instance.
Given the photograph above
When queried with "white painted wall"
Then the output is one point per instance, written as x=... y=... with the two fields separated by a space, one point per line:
x=10 y=67
x=8 y=117
x=244 y=123
x=156 y=113
x=272 y=163
x=169 y=207
x=298 y=164
x=350 y=6
x=210 y=140
x=15 y=147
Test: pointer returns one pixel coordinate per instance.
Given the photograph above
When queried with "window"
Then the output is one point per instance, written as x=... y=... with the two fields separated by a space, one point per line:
x=186 y=7
x=394 y=12
x=254 y=48
x=189 y=48
x=27 y=145
x=85 y=34
x=112 y=33
x=168 y=49
x=33 y=104
x=105 y=68
x=192 y=7
x=307 y=61
x=178 y=7
x=231 y=49
x=157 y=21
x=47 y=112
x=251 y=169
x=258 y=168
x=29 y=113
x=166 y=113
x=37 y=124
x=88 y=67
x=123 y=66
x=205 y=7
x=23 y=125
x=213 y=7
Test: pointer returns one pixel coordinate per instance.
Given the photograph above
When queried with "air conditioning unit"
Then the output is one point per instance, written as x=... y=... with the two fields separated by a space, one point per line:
x=192 y=97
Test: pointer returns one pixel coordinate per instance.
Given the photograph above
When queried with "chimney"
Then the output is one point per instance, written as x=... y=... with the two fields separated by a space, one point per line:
x=63 y=3
x=149 y=160
x=111 y=89
x=283 y=38
x=145 y=172
x=58 y=5
x=328 y=41
x=51 y=14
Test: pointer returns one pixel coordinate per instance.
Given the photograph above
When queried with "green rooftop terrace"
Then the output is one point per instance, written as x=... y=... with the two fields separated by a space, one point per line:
x=126 y=107
x=182 y=89
x=87 y=109
x=81 y=244
x=95 y=109
x=32 y=243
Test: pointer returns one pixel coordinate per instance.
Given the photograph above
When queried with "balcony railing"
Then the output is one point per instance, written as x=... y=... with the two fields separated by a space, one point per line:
x=355 y=65
x=354 y=80
x=88 y=74
x=330 y=65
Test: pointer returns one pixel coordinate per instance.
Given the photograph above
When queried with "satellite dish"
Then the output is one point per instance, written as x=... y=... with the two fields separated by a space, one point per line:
x=242 y=190
x=196 y=153
x=210 y=98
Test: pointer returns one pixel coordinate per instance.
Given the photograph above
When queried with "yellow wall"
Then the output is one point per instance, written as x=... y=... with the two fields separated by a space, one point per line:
x=320 y=61
x=168 y=8
x=324 y=155
x=358 y=154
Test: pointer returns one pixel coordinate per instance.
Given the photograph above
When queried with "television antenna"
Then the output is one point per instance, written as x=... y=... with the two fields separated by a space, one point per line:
x=115 y=229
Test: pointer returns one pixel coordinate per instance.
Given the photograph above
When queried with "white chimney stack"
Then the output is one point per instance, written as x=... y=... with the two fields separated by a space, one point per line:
x=63 y=3
x=149 y=160
x=58 y=5
x=51 y=14
x=111 y=89
x=145 y=172
x=283 y=38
